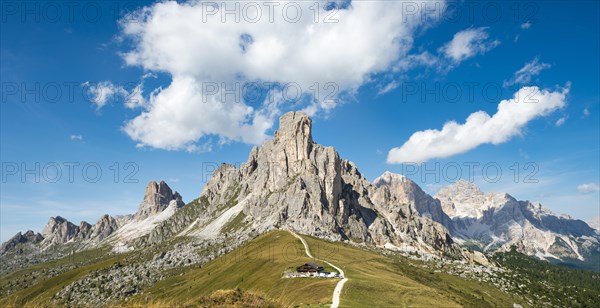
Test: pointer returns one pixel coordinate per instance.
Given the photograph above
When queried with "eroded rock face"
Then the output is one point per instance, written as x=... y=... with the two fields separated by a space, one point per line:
x=156 y=199
x=59 y=230
x=84 y=231
x=29 y=237
x=293 y=182
x=402 y=191
x=64 y=237
x=104 y=227
x=470 y=200
x=498 y=221
x=295 y=136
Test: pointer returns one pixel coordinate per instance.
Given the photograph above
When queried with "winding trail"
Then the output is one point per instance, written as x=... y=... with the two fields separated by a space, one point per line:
x=335 y=301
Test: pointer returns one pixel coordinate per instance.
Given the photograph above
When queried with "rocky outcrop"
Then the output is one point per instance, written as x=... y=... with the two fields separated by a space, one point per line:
x=84 y=231
x=293 y=182
x=471 y=201
x=404 y=191
x=156 y=199
x=61 y=238
x=104 y=227
x=29 y=237
x=158 y=205
x=59 y=231
x=497 y=221
x=123 y=219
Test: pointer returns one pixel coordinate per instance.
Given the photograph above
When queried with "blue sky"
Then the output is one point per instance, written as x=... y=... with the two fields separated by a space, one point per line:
x=137 y=101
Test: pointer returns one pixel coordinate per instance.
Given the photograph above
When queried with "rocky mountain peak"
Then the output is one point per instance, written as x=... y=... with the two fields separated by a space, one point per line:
x=157 y=198
x=399 y=186
x=57 y=220
x=52 y=224
x=84 y=225
x=104 y=227
x=295 y=134
x=293 y=182
x=389 y=177
x=288 y=182
x=293 y=126
x=19 y=238
x=498 y=221
x=462 y=198
x=404 y=191
x=59 y=230
x=30 y=234
x=465 y=185
x=84 y=229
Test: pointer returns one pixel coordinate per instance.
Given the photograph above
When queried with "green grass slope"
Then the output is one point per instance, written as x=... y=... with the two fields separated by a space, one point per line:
x=395 y=281
x=375 y=279
x=35 y=286
x=257 y=267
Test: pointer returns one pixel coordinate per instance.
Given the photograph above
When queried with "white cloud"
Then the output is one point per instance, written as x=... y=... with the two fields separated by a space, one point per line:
x=588 y=188
x=76 y=138
x=468 y=43
x=526 y=25
x=464 y=45
x=561 y=121
x=479 y=128
x=103 y=92
x=414 y=60
x=388 y=87
x=177 y=117
x=194 y=48
x=527 y=72
x=586 y=112
x=135 y=98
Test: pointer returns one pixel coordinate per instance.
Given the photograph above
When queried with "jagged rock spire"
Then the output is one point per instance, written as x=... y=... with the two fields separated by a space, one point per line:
x=19 y=238
x=158 y=196
x=295 y=132
x=293 y=182
x=59 y=230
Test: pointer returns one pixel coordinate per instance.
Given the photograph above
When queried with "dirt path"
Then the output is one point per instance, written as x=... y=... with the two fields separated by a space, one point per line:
x=335 y=301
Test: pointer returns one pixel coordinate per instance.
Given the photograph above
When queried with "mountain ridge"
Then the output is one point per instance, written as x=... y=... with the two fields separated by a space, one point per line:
x=60 y=237
x=291 y=181
x=497 y=221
